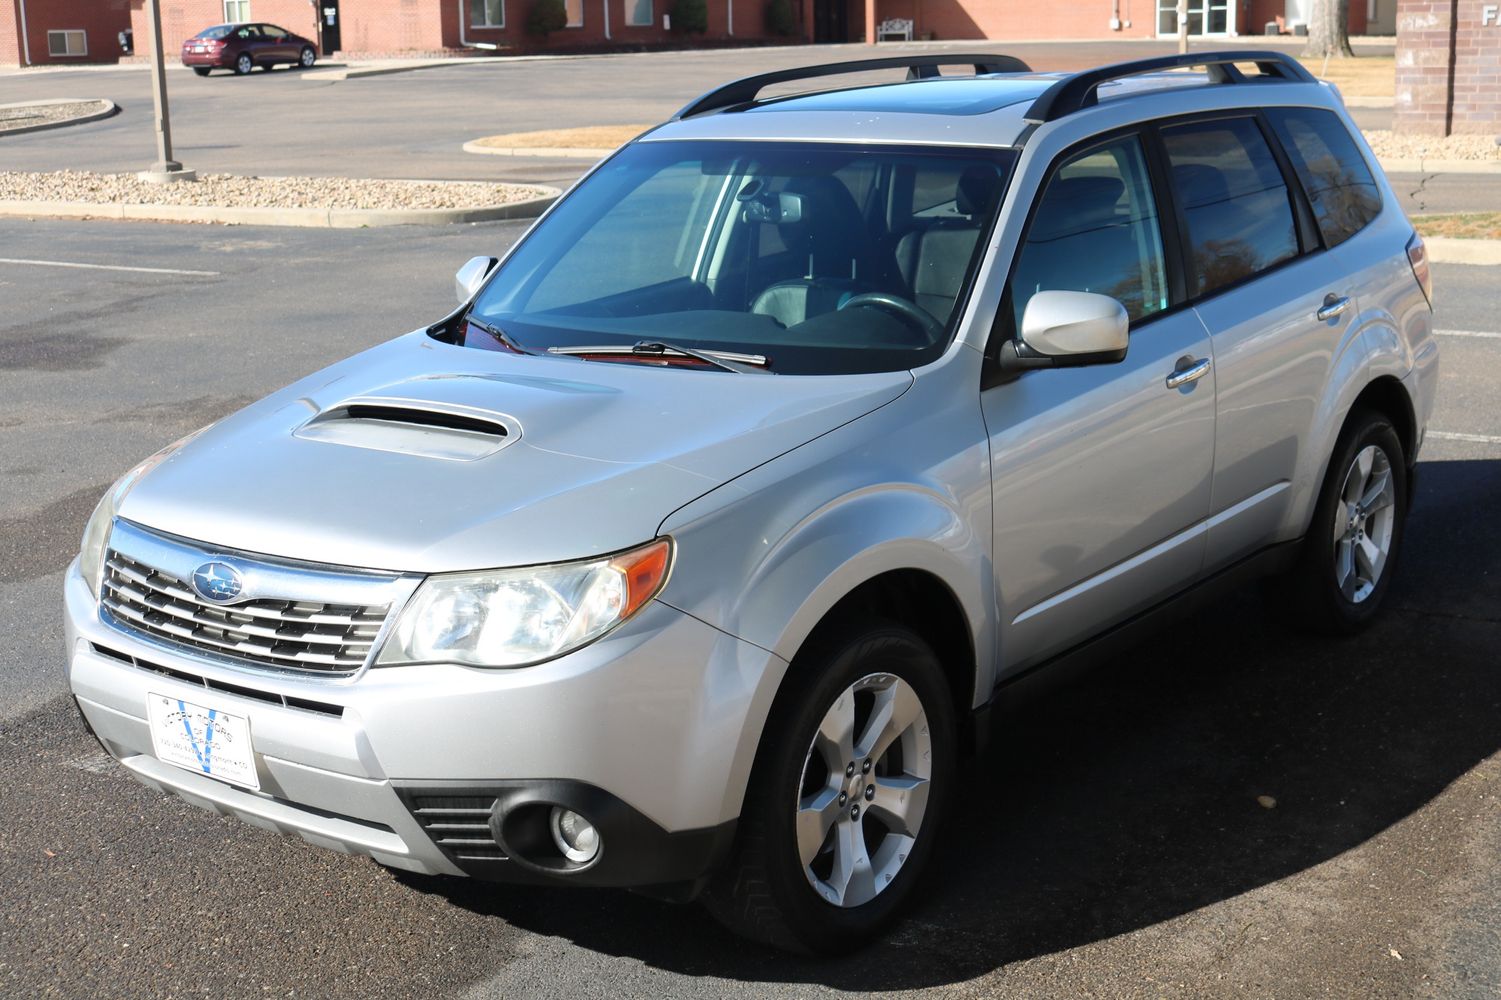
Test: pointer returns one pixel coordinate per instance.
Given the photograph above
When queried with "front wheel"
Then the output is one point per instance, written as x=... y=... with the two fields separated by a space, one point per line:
x=1345 y=567
x=843 y=807
x=307 y=57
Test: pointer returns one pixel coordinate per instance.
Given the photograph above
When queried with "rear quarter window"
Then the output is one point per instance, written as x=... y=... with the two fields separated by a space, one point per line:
x=1339 y=185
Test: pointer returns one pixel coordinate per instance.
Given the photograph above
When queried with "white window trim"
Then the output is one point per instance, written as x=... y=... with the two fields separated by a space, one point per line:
x=651 y=14
x=237 y=20
x=487 y=24
x=65 y=32
x=580 y=23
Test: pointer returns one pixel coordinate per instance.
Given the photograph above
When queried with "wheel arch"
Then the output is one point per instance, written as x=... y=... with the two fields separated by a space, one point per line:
x=922 y=602
x=1388 y=397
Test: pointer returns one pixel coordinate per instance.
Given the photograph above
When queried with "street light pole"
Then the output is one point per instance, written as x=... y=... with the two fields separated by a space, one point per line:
x=165 y=170
x=1182 y=25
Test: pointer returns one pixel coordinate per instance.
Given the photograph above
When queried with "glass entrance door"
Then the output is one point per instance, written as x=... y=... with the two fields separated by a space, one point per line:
x=1205 y=17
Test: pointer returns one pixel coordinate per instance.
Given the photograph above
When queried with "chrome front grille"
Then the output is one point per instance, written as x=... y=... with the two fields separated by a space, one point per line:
x=289 y=619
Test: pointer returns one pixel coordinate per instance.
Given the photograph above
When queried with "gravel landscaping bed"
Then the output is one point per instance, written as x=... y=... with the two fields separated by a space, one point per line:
x=1390 y=145
x=29 y=116
x=230 y=191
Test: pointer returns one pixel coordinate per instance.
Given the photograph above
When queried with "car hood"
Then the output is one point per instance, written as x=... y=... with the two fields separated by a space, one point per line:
x=418 y=456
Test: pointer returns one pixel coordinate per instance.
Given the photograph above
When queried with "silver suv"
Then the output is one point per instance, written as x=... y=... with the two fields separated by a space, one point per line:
x=689 y=553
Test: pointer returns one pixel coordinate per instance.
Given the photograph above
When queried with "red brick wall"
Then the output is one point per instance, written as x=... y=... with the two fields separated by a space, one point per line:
x=182 y=19
x=1437 y=38
x=103 y=20
x=1003 y=20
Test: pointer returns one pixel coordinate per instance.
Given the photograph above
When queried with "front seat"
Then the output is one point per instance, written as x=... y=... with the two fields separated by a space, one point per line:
x=933 y=260
x=830 y=237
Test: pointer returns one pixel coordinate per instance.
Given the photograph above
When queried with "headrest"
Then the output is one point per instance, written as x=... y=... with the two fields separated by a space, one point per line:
x=1075 y=204
x=977 y=186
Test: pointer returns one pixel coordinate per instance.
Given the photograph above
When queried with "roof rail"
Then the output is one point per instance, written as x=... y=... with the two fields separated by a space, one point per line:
x=919 y=67
x=1078 y=91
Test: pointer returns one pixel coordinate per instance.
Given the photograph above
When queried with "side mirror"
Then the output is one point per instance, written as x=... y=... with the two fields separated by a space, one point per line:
x=471 y=276
x=1068 y=330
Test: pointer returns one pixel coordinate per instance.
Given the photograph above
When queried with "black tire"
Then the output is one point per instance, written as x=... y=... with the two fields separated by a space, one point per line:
x=306 y=58
x=765 y=892
x=244 y=64
x=201 y=70
x=1310 y=593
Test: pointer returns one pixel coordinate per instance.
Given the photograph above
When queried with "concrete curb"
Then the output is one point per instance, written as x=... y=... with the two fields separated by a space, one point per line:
x=1453 y=250
x=1404 y=165
x=110 y=108
x=563 y=152
x=313 y=218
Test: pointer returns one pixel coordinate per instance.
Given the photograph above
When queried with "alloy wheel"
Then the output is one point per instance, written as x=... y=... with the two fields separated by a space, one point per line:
x=1363 y=524
x=864 y=790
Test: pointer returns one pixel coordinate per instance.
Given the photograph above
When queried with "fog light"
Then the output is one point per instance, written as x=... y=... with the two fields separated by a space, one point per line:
x=574 y=835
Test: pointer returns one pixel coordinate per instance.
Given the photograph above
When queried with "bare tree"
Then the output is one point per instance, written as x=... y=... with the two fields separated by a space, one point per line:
x=1329 y=30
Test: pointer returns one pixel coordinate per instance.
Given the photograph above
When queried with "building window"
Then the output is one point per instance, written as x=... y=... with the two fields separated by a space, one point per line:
x=236 y=11
x=487 y=13
x=67 y=43
x=638 y=13
x=575 y=13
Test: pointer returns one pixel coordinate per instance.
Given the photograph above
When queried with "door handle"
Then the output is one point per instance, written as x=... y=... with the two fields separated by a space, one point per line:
x=1188 y=370
x=1333 y=306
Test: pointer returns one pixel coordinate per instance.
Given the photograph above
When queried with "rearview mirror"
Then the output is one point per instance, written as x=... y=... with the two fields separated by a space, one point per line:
x=471 y=276
x=1066 y=330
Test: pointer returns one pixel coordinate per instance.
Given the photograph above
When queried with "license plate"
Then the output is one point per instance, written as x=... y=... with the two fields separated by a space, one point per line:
x=206 y=740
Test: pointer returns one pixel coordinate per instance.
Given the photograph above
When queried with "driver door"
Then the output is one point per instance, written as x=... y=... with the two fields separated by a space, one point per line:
x=1100 y=475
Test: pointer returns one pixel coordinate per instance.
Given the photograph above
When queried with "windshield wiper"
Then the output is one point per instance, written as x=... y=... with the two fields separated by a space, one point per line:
x=730 y=361
x=498 y=334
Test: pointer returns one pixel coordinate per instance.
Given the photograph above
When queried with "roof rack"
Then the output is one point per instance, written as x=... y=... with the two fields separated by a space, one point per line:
x=1079 y=90
x=920 y=67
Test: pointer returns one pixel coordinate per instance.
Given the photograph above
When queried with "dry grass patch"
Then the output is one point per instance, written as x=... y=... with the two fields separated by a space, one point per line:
x=587 y=137
x=1464 y=226
x=1363 y=76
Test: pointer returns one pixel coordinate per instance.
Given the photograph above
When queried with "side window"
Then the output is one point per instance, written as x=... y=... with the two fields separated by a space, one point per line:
x=1240 y=219
x=1333 y=173
x=1095 y=229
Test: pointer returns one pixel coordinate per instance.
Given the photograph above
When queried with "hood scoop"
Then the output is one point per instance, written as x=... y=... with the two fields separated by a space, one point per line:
x=429 y=429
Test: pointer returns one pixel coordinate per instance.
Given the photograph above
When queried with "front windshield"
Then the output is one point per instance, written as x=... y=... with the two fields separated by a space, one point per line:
x=817 y=258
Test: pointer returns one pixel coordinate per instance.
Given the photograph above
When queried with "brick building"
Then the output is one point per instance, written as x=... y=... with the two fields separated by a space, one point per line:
x=61 y=31
x=431 y=27
x=1449 y=67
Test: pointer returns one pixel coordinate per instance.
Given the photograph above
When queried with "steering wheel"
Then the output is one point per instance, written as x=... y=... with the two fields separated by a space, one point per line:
x=900 y=307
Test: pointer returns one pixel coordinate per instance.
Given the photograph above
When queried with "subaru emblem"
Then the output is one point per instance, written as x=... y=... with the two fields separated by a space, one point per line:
x=218 y=582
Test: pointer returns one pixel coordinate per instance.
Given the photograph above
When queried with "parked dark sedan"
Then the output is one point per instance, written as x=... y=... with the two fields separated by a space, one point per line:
x=242 y=47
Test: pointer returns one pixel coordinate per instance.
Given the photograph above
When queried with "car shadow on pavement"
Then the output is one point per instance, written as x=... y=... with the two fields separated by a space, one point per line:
x=1218 y=757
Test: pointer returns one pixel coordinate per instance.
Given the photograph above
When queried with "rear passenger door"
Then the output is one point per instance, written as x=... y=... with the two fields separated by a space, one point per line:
x=1100 y=475
x=1278 y=309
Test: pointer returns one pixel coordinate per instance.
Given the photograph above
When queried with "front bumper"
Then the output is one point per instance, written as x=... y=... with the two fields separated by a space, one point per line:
x=649 y=732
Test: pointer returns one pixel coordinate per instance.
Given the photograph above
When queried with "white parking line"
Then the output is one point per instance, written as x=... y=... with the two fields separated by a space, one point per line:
x=108 y=267
x=1481 y=334
x=1457 y=436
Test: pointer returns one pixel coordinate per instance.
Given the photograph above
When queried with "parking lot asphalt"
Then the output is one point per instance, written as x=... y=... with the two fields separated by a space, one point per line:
x=413 y=125
x=1110 y=843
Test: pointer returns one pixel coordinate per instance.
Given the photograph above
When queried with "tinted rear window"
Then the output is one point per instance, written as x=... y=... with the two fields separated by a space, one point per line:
x=217 y=31
x=1331 y=169
x=1240 y=221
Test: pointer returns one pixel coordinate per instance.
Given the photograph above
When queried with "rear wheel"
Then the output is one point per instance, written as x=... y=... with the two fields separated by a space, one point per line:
x=844 y=804
x=307 y=57
x=1345 y=567
x=244 y=64
x=201 y=70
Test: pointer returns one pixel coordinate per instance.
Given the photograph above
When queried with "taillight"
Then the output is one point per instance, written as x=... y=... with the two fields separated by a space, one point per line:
x=1417 y=256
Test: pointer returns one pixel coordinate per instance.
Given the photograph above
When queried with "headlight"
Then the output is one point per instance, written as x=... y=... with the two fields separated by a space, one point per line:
x=95 y=540
x=517 y=617
x=96 y=532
